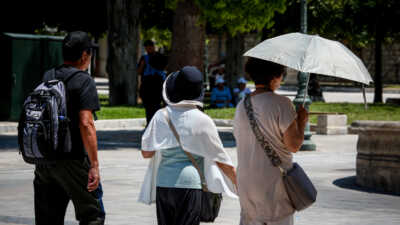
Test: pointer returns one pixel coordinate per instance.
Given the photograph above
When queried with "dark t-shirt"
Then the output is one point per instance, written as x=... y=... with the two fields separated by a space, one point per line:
x=81 y=94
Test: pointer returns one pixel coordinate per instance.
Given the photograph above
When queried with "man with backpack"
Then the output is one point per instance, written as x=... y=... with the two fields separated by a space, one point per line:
x=61 y=140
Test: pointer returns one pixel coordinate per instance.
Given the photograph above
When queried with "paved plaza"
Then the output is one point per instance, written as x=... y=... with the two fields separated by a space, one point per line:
x=331 y=167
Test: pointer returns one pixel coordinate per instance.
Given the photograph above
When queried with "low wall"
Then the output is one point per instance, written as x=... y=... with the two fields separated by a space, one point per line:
x=378 y=155
x=331 y=123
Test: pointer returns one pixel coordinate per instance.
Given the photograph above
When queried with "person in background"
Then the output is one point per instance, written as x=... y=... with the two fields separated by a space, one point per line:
x=241 y=91
x=263 y=197
x=220 y=72
x=216 y=72
x=221 y=95
x=152 y=75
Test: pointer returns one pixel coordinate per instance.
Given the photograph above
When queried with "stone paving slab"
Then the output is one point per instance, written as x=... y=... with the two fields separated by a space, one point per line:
x=331 y=168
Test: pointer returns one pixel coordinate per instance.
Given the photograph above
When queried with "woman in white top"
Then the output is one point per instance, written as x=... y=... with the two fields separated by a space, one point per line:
x=262 y=195
x=178 y=183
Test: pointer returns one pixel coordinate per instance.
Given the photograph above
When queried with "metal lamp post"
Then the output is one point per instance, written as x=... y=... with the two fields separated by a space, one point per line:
x=308 y=145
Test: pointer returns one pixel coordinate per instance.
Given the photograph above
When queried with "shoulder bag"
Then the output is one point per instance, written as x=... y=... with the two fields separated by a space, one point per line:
x=210 y=202
x=299 y=187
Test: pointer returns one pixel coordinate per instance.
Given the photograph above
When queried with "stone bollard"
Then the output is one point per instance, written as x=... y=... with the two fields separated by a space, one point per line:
x=331 y=123
x=378 y=155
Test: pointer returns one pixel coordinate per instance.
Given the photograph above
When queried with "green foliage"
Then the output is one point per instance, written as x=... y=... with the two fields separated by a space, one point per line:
x=156 y=22
x=156 y=14
x=240 y=15
x=351 y=21
x=357 y=21
x=31 y=16
x=162 y=37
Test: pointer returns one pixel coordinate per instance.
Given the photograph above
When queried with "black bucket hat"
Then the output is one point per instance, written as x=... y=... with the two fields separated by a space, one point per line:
x=185 y=84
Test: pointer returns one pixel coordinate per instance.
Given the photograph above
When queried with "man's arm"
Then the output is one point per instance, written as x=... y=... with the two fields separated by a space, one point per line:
x=141 y=67
x=89 y=138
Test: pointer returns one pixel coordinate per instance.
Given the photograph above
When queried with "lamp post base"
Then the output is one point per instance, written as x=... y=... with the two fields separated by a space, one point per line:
x=307 y=145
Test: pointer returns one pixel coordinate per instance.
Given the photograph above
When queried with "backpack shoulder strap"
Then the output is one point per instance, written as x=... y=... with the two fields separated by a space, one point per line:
x=70 y=76
x=49 y=75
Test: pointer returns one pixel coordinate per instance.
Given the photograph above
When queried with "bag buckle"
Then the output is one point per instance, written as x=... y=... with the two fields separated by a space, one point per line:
x=283 y=171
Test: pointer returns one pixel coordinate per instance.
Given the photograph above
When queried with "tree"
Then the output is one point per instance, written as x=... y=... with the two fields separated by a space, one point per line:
x=156 y=23
x=375 y=19
x=357 y=23
x=123 y=39
x=31 y=16
x=361 y=23
x=236 y=18
x=188 y=36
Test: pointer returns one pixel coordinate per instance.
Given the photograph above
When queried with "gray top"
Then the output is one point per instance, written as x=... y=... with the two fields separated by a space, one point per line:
x=261 y=191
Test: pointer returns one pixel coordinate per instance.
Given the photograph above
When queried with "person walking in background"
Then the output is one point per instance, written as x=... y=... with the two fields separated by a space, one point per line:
x=152 y=75
x=75 y=176
x=263 y=197
x=221 y=95
x=241 y=91
x=178 y=182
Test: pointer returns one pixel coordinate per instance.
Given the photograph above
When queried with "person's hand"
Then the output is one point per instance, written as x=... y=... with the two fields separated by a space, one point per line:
x=234 y=181
x=302 y=115
x=93 y=179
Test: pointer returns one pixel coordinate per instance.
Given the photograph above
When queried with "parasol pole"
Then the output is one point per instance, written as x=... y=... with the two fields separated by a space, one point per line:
x=365 y=97
x=305 y=93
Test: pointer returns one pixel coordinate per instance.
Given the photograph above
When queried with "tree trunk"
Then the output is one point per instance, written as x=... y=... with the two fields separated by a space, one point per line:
x=378 y=70
x=123 y=38
x=188 y=37
x=379 y=35
x=234 y=59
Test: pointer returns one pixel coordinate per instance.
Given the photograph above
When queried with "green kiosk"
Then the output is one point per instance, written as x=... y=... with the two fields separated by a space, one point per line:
x=24 y=59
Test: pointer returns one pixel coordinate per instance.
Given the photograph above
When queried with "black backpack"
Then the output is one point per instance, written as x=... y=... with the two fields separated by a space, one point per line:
x=43 y=128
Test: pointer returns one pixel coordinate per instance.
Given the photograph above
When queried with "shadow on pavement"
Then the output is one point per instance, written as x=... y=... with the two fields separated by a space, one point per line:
x=350 y=183
x=24 y=220
x=8 y=142
x=115 y=139
x=109 y=140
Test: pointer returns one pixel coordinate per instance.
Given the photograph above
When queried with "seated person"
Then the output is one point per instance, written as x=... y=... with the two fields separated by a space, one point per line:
x=241 y=91
x=220 y=95
x=215 y=73
x=220 y=72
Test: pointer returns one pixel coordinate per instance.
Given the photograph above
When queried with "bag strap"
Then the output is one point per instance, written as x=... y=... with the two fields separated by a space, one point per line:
x=269 y=151
x=189 y=155
x=65 y=80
